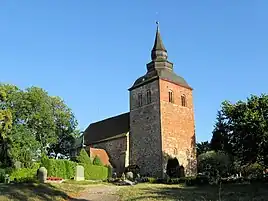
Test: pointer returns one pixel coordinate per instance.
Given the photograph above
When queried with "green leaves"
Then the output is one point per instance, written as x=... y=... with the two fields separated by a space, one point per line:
x=34 y=122
x=241 y=130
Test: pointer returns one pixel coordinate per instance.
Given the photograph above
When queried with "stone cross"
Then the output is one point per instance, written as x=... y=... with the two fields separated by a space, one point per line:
x=42 y=174
x=79 y=173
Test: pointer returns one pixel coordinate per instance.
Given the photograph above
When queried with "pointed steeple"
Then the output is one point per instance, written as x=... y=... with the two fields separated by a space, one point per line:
x=159 y=51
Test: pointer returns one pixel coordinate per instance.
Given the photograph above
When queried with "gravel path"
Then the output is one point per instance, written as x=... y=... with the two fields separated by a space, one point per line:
x=99 y=193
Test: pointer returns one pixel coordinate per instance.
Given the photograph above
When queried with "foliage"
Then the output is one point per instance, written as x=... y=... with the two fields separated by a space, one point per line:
x=97 y=161
x=24 y=174
x=245 y=130
x=202 y=147
x=95 y=172
x=214 y=163
x=59 y=168
x=92 y=171
x=253 y=171
x=83 y=157
x=44 y=122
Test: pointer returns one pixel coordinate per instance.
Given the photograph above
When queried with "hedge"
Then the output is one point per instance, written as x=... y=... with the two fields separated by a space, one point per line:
x=95 y=172
x=66 y=169
x=59 y=168
x=23 y=174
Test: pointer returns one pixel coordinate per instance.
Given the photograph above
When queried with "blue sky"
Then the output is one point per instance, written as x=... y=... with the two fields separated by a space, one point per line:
x=90 y=52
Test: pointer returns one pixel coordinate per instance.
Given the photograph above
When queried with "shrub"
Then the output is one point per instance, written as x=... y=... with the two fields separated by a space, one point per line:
x=254 y=171
x=25 y=174
x=2 y=175
x=97 y=161
x=214 y=163
x=59 y=168
x=95 y=172
x=83 y=157
x=110 y=171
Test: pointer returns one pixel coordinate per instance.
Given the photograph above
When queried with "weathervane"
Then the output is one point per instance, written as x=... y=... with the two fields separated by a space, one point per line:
x=157 y=22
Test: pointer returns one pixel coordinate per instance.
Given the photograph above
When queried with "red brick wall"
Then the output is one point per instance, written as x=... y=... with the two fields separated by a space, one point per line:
x=177 y=125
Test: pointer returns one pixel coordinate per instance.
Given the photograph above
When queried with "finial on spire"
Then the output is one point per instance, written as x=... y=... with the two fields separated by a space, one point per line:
x=157 y=25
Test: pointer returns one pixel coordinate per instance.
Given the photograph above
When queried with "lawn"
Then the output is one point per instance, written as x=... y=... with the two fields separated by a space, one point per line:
x=161 y=192
x=39 y=192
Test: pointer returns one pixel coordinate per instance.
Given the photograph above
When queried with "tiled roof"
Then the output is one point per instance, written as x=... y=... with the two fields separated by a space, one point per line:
x=107 y=128
x=102 y=154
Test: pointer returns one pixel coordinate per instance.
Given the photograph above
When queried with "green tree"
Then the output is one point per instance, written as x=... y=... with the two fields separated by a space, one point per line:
x=83 y=157
x=65 y=124
x=247 y=122
x=220 y=141
x=202 y=147
x=5 y=128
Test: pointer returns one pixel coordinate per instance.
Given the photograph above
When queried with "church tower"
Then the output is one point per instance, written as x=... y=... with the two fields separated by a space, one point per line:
x=161 y=117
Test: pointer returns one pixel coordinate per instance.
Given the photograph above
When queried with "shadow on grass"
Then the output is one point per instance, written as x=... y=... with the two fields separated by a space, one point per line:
x=230 y=192
x=28 y=191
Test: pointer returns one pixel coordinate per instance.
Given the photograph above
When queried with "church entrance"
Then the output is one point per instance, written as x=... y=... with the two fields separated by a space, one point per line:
x=174 y=170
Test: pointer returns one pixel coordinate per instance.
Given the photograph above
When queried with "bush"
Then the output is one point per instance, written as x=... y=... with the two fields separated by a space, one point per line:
x=214 y=163
x=254 y=171
x=93 y=172
x=83 y=157
x=59 y=168
x=2 y=175
x=97 y=161
x=24 y=174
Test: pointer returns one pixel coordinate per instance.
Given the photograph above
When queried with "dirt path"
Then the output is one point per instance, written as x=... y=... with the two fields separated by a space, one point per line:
x=99 y=193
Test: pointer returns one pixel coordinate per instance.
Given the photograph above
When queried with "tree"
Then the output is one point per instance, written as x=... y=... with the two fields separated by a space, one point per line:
x=65 y=124
x=5 y=128
x=202 y=147
x=36 y=123
x=247 y=125
x=220 y=141
x=97 y=161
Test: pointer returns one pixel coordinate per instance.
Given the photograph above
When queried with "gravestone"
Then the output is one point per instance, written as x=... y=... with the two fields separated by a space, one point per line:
x=130 y=176
x=79 y=173
x=42 y=174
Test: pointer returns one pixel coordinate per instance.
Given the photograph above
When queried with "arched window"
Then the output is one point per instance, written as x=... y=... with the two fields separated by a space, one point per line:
x=183 y=100
x=170 y=96
x=149 y=98
x=139 y=99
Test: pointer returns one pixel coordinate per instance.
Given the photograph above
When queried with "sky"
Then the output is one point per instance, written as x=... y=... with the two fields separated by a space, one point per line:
x=90 y=52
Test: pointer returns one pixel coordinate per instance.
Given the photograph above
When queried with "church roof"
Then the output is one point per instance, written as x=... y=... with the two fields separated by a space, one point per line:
x=107 y=129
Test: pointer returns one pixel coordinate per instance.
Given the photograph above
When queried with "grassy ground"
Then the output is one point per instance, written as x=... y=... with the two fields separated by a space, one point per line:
x=39 y=192
x=161 y=192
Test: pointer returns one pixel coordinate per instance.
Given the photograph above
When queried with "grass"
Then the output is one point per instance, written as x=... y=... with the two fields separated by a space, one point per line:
x=39 y=192
x=162 y=192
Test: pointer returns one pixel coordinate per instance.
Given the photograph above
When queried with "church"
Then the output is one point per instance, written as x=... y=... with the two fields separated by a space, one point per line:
x=159 y=125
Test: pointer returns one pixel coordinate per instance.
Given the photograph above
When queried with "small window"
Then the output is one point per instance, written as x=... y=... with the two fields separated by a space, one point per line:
x=183 y=100
x=175 y=151
x=140 y=100
x=170 y=97
x=149 y=99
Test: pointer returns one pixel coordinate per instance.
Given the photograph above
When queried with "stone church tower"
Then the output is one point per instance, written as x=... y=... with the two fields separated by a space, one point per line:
x=161 y=117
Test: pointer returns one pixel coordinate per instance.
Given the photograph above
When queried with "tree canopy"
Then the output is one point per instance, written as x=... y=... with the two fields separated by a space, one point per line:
x=32 y=122
x=241 y=131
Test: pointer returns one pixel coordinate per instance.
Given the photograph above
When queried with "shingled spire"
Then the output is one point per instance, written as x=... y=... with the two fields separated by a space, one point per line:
x=159 y=52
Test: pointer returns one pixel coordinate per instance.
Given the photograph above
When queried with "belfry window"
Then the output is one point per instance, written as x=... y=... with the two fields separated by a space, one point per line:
x=170 y=96
x=183 y=100
x=140 y=100
x=149 y=98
